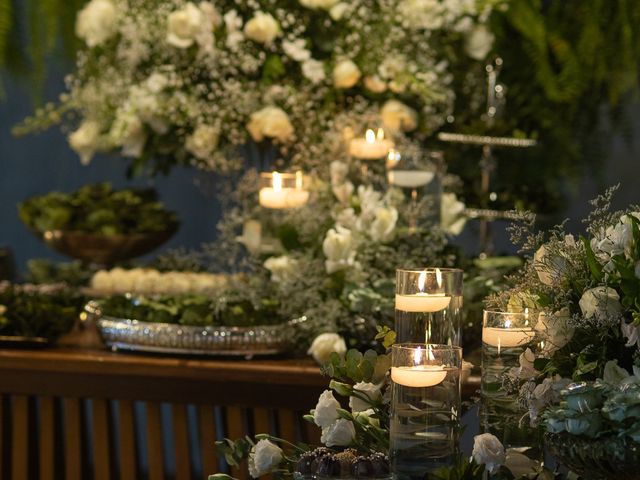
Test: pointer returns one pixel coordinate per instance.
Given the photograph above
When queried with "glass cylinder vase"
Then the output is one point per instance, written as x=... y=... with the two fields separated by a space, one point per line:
x=429 y=306
x=509 y=344
x=425 y=408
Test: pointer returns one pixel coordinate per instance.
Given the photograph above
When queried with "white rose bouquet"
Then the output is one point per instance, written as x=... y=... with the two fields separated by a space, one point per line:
x=188 y=82
x=587 y=293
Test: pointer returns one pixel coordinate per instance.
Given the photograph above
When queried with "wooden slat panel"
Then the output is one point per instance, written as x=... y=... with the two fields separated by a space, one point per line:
x=72 y=439
x=235 y=430
x=181 y=441
x=127 y=440
x=3 y=426
x=19 y=437
x=287 y=425
x=261 y=420
x=155 y=456
x=100 y=430
x=312 y=433
x=208 y=440
x=46 y=439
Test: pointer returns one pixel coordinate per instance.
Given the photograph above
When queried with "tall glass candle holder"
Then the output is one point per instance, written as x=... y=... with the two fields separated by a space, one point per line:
x=429 y=306
x=506 y=368
x=283 y=190
x=425 y=408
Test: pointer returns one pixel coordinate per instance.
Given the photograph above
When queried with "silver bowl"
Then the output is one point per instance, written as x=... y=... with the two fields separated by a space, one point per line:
x=139 y=336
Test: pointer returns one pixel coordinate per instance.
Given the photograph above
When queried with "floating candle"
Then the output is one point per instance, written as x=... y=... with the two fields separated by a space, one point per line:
x=507 y=337
x=409 y=178
x=418 y=376
x=277 y=196
x=422 y=302
x=371 y=147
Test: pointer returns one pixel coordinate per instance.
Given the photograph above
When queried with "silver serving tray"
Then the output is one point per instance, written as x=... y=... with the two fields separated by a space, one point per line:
x=134 y=335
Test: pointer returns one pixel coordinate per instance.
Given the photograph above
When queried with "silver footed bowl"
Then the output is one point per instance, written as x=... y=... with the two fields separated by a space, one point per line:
x=104 y=249
x=134 y=335
x=605 y=458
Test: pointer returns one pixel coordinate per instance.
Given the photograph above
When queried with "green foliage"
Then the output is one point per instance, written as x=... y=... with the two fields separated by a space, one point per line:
x=98 y=209
x=30 y=313
x=192 y=310
x=45 y=271
x=358 y=367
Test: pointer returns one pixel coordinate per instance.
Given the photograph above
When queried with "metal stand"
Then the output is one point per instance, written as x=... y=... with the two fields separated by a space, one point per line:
x=487 y=163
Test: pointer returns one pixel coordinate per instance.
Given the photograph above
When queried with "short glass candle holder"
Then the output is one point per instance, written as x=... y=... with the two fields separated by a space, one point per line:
x=425 y=408
x=429 y=306
x=370 y=144
x=283 y=190
x=506 y=368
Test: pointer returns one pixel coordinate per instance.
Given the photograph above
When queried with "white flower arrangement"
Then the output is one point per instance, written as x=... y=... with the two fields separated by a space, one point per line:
x=188 y=82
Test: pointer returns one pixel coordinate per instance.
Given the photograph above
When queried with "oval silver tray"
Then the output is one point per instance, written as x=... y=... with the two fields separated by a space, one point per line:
x=134 y=335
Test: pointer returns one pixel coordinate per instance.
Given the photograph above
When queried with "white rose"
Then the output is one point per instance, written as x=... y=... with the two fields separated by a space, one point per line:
x=452 y=219
x=123 y=280
x=318 y=4
x=346 y=74
x=338 y=11
x=600 y=303
x=282 y=268
x=251 y=235
x=296 y=50
x=347 y=218
x=384 y=224
x=550 y=268
x=370 y=200
x=134 y=138
x=343 y=192
x=313 y=70
x=184 y=26
x=203 y=141
x=324 y=345
x=176 y=283
x=616 y=240
x=366 y=416
x=97 y=22
x=264 y=457
x=374 y=84
x=338 y=171
x=488 y=451
x=262 y=28
x=545 y=394
x=397 y=116
x=84 y=141
x=102 y=281
x=479 y=42
x=326 y=411
x=526 y=370
x=271 y=122
x=338 y=248
x=555 y=329
x=339 y=434
x=631 y=333
x=368 y=390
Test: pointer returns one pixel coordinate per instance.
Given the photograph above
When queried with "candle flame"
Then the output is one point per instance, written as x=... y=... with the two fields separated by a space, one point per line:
x=276 y=181
x=417 y=356
x=439 y=277
x=370 y=136
x=380 y=134
x=507 y=324
x=526 y=316
x=298 y=180
x=393 y=157
x=422 y=279
x=431 y=356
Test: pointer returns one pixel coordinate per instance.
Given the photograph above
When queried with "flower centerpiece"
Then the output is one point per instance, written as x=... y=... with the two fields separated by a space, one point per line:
x=587 y=291
x=188 y=82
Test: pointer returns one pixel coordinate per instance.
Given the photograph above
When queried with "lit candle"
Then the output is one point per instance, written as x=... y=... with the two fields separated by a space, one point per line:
x=422 y=301
x=371 y=147
x=419 y=375
x=507 y=337
x=277 y=196
x=410 y=178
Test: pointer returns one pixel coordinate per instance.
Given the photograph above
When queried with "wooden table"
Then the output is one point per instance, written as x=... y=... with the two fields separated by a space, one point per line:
x=78 y=414
x=83 y=414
